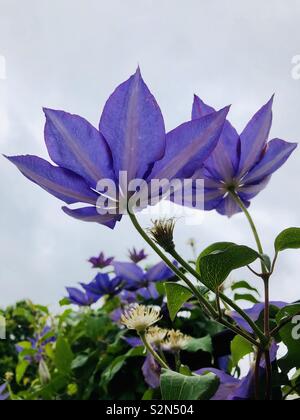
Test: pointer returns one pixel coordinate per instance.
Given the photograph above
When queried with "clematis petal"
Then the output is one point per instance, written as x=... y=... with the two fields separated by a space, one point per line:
x=62 y=183
x=133 y=126
x=78 y=297
x=189 y=145
x=75 y=144
x=159 y=272
x=223 y=162
x=254 y=314
x=254 y=138
x=247 y=192
x=90 y=214
x=228 y=207
x=276 y=155
x=151 y=371
x=128 y=271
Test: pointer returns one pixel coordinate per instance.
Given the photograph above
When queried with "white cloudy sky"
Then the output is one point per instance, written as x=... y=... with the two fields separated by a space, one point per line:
x=71 y=54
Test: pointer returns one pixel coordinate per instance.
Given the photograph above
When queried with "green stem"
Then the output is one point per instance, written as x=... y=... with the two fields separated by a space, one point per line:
x=177 y=360
x=173 y=267
x=250 y=220
x=266 y=278
x=226 y=299
x=151 y=350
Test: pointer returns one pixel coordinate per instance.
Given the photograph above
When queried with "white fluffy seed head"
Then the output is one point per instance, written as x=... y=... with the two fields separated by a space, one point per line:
x=140 y=317
x=175 y=341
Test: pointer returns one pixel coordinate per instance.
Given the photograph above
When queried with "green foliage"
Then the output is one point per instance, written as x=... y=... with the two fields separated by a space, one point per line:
x=177 y=296
x=219 y=260
x=288 y=239
x=178 y=387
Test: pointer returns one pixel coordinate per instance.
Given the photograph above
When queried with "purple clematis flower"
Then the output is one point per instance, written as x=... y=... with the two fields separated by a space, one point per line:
x=131 y=139
x=102 y=285
x=101 y=261
x=137 y=256
x=242 y=163
x=138 y=279
x=80 y=298
x=254 y=314
x=3 y=394
x=233 y=389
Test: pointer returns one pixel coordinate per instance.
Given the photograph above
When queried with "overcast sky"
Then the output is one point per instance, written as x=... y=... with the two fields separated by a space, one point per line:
x=71 y=54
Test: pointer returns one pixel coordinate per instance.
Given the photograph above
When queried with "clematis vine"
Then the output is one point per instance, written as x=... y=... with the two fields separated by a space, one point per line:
x=241 y=164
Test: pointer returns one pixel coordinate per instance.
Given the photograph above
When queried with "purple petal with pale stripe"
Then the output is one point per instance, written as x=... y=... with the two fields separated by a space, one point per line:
x=277 y=153
x=90 y=214
x=159 y=272
x=228 y=207
x=75 y=144
x=254 y=138
x=128 y=271
x=133 y=126
x=62 y=183
x=223 y=162
x=189 y=145
x=247 y=192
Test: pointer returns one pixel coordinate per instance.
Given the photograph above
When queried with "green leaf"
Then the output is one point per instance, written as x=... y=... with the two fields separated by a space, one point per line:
x=80 y=361
x=243 y=285
x=218 y=246
x=64 y=302
x=118 y=363
x=196 y=344
x=288 y=239
x=63 y=356
x=178 y=387
x=239 y=349
x=21 y=370
x=247 y=296
x=216 y=266
x=177 y=295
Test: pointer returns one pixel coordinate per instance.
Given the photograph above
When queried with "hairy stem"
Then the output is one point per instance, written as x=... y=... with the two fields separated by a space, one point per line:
x=151 y=350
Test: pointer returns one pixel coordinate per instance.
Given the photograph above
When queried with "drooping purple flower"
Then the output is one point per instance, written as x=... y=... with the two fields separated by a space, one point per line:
x=254 y=313
x=4 y=395
x=136 y=278
x=233 y=389
x=80 y=298
x=137 y=256
x=242 y=163
x=103 y=285
x=131 y=139
x=101 y=261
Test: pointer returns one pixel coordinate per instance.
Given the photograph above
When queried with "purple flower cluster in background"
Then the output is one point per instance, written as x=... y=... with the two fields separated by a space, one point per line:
x=4 y=395
x=129 y=281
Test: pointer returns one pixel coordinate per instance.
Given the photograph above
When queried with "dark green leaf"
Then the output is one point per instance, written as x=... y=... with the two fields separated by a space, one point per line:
x=178 y=387
x=196 y=344
x=63 y=356
x=239 y=349
x=288 y=239
x=177 y=295
x=247 y=296
x=216 y=266
x=243 y=285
